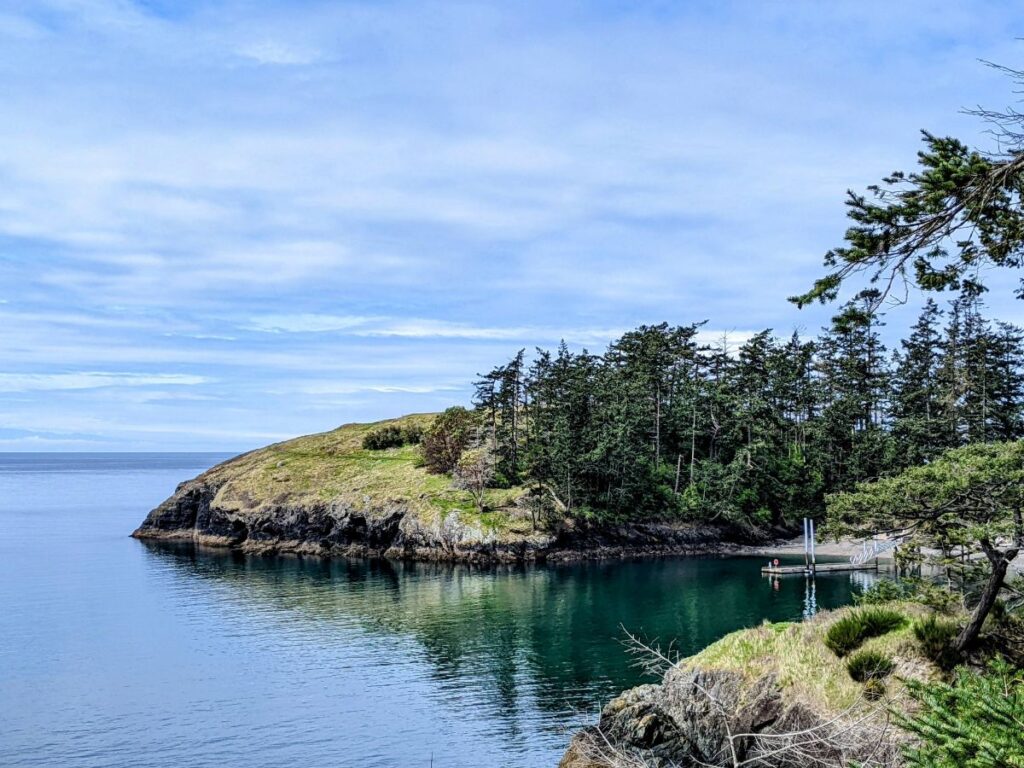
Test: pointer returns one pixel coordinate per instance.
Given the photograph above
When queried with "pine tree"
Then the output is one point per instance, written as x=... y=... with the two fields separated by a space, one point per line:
x=919 y=425
x=974 y=722
x=1006 y=374
x=661 y=425
x=852 y=366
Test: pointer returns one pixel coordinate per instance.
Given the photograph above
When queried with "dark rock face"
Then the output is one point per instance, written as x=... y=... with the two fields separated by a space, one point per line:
x=688 y=720
x=184 y=510
x=193 y=513
x=389 y=528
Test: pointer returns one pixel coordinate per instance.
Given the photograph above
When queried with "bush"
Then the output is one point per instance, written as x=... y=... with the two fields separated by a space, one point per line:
x=874 y=689
x=849 y=632
x=845 y=635
x=384 y=437
x=446 y=439
x=412 y=434
x=869 y=665
x=884 y=591
x=910 y=589
x=935 y=637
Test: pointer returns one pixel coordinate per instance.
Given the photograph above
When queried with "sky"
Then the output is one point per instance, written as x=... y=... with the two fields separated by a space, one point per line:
x=224 y=224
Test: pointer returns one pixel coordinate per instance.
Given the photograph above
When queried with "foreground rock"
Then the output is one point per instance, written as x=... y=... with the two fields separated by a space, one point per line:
x=325 y=495
x=770 y=696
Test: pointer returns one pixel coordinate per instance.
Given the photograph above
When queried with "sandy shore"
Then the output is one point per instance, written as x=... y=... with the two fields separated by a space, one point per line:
x=841 y=548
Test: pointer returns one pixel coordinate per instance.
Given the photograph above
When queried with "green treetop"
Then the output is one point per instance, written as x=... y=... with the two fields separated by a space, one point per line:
x=967 y=500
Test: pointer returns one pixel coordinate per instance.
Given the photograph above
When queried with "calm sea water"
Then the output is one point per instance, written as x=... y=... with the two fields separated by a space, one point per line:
x=118 y=653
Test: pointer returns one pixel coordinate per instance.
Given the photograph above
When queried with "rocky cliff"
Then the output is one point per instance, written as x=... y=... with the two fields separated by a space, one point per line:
x=771 y=696
x=324 y=494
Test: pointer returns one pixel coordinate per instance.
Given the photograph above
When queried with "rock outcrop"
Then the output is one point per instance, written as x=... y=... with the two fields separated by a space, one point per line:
x=773 y=695
x=688 y=721
x=201 y=511
x=326 y=495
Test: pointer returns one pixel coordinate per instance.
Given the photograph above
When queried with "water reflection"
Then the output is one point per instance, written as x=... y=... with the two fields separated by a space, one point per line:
x=560 y=625
x=117 y=654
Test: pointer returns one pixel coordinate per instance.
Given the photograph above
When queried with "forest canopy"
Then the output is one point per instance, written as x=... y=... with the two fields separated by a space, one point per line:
x=664 y=424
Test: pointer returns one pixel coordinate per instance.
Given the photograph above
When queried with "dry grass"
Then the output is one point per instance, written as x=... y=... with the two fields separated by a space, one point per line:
x=797 y=655
x=334 y=467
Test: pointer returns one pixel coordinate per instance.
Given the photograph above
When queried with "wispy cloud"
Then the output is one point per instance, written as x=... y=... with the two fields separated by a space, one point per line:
x=306 y=323
x=339 y=388
x=276 y=52
x=422 y=328
x=303 y=218
x=46 y=382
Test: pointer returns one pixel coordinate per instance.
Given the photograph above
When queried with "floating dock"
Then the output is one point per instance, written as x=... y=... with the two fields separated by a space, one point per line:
x=786 y=570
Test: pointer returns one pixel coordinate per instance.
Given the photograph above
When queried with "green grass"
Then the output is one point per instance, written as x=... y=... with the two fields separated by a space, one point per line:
x=804 y=665
x=333 y=467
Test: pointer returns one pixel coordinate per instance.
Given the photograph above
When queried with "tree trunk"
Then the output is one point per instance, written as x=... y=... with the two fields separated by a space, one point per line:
x=657 y=429
x=1000 y=563
x=693 y=444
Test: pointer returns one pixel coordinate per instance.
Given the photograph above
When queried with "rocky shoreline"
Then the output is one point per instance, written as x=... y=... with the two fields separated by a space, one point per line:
x=716 y=717
x=200 y=513
x=773 y=694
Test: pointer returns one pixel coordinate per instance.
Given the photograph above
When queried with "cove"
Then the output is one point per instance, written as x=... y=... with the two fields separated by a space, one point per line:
x=118 y=652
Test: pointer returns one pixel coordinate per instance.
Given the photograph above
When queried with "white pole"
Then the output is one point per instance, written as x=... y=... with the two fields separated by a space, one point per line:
x=807 y=550
x=814 y=562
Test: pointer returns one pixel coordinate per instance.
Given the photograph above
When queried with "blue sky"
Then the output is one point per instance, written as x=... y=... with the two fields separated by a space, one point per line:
x=223 y=224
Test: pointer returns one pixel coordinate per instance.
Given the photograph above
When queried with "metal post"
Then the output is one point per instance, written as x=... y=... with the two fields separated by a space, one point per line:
x=814 y=562
x=807 y=550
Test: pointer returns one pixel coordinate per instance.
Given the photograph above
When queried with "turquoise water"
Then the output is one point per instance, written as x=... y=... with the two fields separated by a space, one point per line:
x=118 y=653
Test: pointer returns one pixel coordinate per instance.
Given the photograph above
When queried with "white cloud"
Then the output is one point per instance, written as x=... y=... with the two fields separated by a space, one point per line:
x=277 y=52
x=419 y=328
x=305 y=323
x=41 y=382
x=414 y=328
x=335 y=388
x=400 y=195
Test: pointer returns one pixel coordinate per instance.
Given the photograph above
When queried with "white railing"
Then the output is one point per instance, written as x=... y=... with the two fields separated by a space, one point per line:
x=870 y=550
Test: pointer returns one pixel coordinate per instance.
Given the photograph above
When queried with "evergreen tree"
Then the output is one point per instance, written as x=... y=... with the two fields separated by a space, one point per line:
x=920 y=428
x=855 y=381
x=500 y=394
x=973 y=722
x=1006 y=373
x=661 y=425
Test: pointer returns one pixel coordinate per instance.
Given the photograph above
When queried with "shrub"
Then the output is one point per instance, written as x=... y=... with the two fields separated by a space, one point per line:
x=849 y=632
x=845 y=635
x=412 y=434
x=884 y=591
x=935 y=637
x=912 y=589
x=869 y=665
x=446 y=439
x=384 y=437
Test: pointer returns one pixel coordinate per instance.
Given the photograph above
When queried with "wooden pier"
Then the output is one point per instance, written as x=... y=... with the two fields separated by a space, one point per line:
x=865 y=560
x=787 y=570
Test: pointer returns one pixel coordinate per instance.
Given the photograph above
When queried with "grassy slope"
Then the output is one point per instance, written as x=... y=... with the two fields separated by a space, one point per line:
x=333 y=466
x=805 y=667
